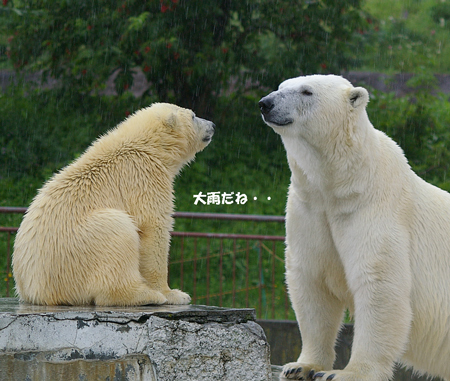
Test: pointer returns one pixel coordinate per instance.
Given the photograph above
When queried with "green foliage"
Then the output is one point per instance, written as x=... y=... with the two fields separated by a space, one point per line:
x=440 y=13
x=419 y=123
x=405 y=36
x=40 y=131
x=190 y=50
x=209 y=56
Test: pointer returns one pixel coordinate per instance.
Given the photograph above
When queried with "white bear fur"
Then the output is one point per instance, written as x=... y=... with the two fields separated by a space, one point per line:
x=99 y=231
x=363 y=232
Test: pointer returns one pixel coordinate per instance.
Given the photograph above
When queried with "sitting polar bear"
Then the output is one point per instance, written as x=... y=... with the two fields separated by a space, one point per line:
x=99 y=230
x=363 y=232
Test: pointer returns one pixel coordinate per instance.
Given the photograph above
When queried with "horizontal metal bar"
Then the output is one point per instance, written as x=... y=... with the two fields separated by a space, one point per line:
x=12 y=209
x=229 y=216
x=194 y=215
x=216 y=216
x=229 y=236
x=8 y=229
x=198 y=235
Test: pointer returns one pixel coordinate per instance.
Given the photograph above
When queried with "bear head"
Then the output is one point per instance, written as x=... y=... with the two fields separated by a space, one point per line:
x=177 y=132
x=315 y=107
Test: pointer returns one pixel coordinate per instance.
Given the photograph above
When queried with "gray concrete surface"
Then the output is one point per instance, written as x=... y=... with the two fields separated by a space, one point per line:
x=285 y=343
x=139 y=343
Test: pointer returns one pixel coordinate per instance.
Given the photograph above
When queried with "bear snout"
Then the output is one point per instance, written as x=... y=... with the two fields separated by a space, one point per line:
x=209 y=131
x=276 y=115
x=266 y=104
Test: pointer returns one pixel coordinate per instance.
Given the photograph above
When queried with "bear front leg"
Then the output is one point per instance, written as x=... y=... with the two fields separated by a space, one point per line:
x=319 y=314
x=154 y=264
x=316 y=283
x=379 y=277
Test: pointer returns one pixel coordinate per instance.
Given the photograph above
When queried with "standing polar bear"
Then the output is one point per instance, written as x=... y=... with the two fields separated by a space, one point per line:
x=99 y=230
x=363 y=232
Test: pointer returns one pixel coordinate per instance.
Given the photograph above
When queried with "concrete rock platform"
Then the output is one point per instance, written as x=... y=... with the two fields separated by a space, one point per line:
x=137 y=343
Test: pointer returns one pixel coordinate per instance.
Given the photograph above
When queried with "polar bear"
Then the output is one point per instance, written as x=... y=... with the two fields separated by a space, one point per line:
x=363 y=232
x=99 y=231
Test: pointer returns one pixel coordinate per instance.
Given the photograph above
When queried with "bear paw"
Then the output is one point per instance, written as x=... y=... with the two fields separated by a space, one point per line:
x=153 y=297
x=299 y=371
x=177 y=297
x=140 y=295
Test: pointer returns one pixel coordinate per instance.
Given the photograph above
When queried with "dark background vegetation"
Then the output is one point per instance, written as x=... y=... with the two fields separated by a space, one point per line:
x=218 y=58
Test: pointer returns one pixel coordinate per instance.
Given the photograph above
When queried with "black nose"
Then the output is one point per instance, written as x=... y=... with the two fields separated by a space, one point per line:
x=265 y=105
x=211 y=129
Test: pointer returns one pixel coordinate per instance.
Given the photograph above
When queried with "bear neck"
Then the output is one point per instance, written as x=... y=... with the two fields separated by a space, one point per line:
x=342 y=167
x=132 y=142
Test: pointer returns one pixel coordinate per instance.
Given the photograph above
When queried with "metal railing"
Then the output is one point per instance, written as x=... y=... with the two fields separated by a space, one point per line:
x=224 y=269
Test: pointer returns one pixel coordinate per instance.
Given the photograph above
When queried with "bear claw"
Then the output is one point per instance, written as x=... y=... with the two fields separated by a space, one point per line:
x=321 y=374
x=292 y=371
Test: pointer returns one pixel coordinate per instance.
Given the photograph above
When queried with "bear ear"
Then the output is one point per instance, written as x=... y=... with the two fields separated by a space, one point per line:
x=171 y=120
x=358 y=97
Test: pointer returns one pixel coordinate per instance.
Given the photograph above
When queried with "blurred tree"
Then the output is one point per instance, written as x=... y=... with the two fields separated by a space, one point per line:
x=191 y=51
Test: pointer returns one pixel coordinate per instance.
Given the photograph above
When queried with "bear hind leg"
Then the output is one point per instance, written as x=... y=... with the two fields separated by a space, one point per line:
x=114 y=243
x=134 y=294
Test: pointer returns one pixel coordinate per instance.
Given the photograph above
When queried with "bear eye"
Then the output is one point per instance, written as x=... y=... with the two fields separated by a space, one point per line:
x=307 y=92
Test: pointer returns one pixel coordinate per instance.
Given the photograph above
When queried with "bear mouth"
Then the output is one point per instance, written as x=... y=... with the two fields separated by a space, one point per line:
x=207 y=138
x=284 y=123
x=277 y=122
